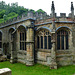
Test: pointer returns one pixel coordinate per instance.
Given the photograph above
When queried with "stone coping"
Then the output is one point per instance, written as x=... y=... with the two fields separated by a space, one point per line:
x=4 y=70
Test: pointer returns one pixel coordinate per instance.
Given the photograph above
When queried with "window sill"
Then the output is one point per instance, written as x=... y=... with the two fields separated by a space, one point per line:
x=22 y=51
x=63 y=50
x=43 y=50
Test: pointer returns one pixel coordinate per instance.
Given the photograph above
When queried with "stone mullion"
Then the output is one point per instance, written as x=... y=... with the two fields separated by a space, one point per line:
x=40 y=42
x=24 y=41
x=43 y=42
x=64 y=41
x=47 y=41
x=56 y=41
x=60 y=41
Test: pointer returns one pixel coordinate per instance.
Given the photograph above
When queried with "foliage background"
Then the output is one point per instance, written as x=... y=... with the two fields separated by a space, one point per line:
x=9 y=11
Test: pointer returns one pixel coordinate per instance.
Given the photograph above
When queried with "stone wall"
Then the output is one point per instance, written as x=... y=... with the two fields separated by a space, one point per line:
x=43 y=57
x=5 y=71
x=21 y=56
x=74 y=36
x=64 y=57
x=74 y=45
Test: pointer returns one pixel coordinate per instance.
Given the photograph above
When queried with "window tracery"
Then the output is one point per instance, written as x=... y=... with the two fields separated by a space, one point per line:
x=62 y=40
x=44 y=39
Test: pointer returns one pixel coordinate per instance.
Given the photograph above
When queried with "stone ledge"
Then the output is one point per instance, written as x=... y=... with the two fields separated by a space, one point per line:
x=22 y=52
x=43 y=50
x=45 y=60
x=64 y=55
x=5 y=71
x=22 y=58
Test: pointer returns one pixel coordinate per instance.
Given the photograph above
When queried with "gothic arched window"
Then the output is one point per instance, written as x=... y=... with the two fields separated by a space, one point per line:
x=22 y=40
x=62 y=40
x=0 y=40
x=22 y=37
x=43 y=39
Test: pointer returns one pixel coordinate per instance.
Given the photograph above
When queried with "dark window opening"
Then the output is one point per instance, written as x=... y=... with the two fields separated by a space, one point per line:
x=22 y=41
x=49 y=42
x=45 y=42
x=62 y=40
x=37 y=41
x=41 y=42
x=0 y=44
x=66 y=41
x=58 y=42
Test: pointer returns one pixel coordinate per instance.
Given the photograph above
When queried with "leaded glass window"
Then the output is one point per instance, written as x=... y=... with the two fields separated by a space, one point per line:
x=22 y=41
x=43 y=39
x=62 y=40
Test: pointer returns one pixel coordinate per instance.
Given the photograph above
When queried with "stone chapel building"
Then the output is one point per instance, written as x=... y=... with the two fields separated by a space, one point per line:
x=40 y=38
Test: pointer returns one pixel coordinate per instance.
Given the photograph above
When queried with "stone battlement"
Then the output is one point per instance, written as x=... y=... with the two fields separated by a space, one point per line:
x=42 y=16
x=37 y=16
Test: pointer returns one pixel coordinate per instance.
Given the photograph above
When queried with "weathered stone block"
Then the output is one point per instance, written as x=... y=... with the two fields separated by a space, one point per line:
x=5 y=71
x=3 y=58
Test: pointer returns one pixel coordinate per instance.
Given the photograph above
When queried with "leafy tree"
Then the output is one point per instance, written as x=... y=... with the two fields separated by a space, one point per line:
x=9 y=11
x=22 y=10
x=11 y=15
x=40 y=10
x=2 y=12
x=32 y=11
x=1 y=20
x=5 y=17
x=2 y=5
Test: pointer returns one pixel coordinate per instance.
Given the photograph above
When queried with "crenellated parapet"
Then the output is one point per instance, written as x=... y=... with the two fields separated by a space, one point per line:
x=42 y=17
x=39 y=17
x=30 y=15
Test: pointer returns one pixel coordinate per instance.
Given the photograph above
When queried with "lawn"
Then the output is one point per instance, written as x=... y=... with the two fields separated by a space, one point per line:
x=37 y=69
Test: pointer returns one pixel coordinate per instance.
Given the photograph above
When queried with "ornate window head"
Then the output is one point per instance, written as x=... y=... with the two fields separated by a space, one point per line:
x=22 y=38
x=43 y=39
x=62 y=39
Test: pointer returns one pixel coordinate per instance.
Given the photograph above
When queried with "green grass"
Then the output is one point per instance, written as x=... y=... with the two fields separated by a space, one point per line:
x=37 y=69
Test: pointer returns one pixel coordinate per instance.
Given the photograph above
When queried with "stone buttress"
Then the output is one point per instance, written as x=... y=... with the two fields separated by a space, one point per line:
x=30 y=44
